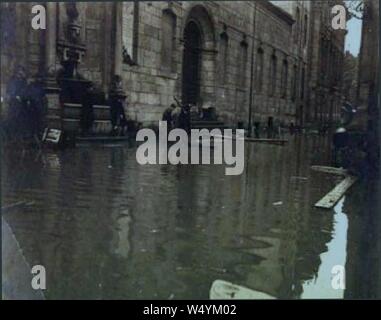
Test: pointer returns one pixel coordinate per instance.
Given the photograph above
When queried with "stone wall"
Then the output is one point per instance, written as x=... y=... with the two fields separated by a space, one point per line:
x=151 y=89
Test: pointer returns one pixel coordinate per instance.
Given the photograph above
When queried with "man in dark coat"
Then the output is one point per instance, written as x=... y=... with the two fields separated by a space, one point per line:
x=87 y=115
x=118 y=117
x=167 y=116
x=36 y=106
x=17 y=102
x=184 y=118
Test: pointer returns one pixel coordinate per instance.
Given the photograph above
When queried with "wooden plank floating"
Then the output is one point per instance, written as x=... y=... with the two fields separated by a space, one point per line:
x=247 y=139
x=224 y=290
x=333 y=197
x=17 y=205
x=331 y=170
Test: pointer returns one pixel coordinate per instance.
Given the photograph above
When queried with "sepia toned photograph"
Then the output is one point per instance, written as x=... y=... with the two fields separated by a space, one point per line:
x=190 y=150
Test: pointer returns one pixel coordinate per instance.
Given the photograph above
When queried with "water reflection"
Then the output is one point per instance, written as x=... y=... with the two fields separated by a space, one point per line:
x=106 y=227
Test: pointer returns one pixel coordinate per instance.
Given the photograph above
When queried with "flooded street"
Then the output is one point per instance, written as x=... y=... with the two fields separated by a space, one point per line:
x=106 y=227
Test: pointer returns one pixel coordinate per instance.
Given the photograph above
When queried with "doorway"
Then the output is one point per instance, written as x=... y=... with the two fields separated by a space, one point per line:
x=191 y=64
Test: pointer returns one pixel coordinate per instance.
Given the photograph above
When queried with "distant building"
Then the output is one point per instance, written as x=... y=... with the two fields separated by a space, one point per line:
x=350 y=75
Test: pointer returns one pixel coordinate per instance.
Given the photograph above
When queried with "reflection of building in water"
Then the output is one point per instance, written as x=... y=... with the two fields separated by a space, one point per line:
x=289 y=241
x=363 y=268
x=72 y=220
x=186 y=226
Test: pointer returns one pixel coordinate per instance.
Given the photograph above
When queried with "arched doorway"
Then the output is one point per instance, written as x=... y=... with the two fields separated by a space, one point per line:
x=191 y=63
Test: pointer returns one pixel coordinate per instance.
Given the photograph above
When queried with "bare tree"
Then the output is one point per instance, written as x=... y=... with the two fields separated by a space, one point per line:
x=355 y=8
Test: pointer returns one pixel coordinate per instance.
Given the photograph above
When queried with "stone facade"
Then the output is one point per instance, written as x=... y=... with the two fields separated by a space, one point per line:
x=325 y=67
x=257 y=59
x=350 y=75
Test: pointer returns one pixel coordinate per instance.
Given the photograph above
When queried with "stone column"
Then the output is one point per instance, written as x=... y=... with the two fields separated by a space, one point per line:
x=54 y=118
x=118 y=45
x=116 y=91
x=207 y=85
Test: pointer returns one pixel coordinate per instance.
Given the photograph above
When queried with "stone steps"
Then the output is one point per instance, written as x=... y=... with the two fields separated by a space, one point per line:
x=74 y=110
x=208 y=124
x=72 y=115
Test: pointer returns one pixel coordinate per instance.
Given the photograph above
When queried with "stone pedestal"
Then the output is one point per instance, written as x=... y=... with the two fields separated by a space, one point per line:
x=53 y=117
x=54 y=110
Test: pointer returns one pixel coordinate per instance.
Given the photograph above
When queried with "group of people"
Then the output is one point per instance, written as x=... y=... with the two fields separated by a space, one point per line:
x=26 y=106
x=178 y=116
x=117 y=114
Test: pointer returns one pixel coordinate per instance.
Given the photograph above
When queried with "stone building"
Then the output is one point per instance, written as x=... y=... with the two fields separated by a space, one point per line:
x=369 y=82
x=350 y=75
x=368 y=77
x=251 y=60
x=299 y=44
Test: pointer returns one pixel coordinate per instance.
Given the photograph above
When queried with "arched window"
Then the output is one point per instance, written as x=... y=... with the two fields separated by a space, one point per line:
x=259 y=71
x=294 y=82
x=224 y=46
x=130 y=31
x=305 y=32
x=242 y=63
x=273 y=74
x=284 y=78
x=168 y=29
x=302 y=83
x=296 y=26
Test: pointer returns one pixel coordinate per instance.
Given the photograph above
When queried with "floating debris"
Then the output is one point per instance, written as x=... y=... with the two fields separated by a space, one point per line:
x=333 y=197
x=299 y=178
x=224 y=290
x=331 y=170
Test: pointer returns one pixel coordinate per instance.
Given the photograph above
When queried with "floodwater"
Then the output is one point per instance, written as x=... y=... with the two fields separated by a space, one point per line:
x=105 y=227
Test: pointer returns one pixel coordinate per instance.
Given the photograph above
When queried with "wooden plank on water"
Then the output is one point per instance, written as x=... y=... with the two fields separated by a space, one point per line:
x=331 y=170
x=331 y=198
x=17 y=205
x=271 y=141
x=247 y=139
x=224 y=290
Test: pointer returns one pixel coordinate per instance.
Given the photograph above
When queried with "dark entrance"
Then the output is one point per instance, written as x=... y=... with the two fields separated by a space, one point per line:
x=191 y=64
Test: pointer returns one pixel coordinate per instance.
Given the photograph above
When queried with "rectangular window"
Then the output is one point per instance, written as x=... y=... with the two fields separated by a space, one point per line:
x=305 y=32
x=224 y=45
x=259 y=71
x=168 y=30
x=242 y=63
x=284 y=79
x=294 y=83
x=130 y=31
x=296 y=26
x=273 y=73
x=302 y=83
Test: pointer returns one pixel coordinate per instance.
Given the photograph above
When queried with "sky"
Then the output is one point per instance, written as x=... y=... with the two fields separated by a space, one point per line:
x=353 y=39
